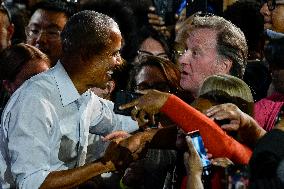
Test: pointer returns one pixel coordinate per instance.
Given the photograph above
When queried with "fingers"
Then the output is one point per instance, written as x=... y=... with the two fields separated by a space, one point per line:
x=142 y=117
x=222 y=107
x=220 y=115
x=155 y=19
x=224 y=111
x=115 y=135
x=129 y=105
x=186 y=160
x=230 y=127
x=222 y=162
x=190 y=145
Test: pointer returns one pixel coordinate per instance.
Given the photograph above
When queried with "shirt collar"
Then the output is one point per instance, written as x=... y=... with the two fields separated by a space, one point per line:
x=67 y=90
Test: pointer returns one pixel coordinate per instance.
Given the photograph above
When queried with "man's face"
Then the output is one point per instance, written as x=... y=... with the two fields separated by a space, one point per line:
x=6 y=31
x=200 y=59
x=43 y=32
x=98 y=72
x=273 y=19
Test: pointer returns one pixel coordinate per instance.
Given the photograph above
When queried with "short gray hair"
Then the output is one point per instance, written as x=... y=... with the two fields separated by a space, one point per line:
x=231 y=41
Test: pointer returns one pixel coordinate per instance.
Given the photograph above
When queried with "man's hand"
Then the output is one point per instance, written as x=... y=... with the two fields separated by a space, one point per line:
x=122 y=152
x=116 y=135
x=146 y=106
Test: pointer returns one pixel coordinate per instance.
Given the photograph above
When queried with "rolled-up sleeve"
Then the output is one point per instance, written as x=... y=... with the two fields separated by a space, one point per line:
x=28 y=132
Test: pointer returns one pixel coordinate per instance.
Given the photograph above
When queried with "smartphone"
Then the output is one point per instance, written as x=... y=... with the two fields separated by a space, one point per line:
x=199 y=146
x=166 y=9
x=124 y=97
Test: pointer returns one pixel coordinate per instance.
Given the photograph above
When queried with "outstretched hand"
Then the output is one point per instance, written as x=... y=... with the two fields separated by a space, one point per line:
x=121 y=152
x=146 y=106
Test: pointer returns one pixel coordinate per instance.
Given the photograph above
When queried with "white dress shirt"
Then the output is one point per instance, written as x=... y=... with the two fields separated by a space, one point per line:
x=45 y=127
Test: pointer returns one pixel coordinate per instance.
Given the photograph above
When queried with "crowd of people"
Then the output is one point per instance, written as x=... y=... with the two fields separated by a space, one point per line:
x=189 y=67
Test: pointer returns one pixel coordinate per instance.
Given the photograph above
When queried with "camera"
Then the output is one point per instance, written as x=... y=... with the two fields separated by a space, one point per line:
x=124 y=97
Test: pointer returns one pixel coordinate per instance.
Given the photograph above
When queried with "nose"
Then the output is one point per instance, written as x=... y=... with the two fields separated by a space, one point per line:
x=184 y=58
x=264 y=10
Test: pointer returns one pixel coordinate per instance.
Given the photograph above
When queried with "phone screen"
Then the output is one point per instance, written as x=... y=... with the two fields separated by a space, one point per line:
x=199 y=146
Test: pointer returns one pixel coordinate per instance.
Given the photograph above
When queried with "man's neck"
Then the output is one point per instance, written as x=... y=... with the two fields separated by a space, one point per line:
x=74 y=72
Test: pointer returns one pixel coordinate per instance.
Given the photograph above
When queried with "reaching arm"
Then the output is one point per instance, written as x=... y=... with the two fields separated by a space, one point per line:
x=189 y=119
x=119 y=154
x=74 y=177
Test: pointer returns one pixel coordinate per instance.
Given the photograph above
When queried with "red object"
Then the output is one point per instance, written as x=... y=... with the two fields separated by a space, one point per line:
x=266 y=110
x=218 y=143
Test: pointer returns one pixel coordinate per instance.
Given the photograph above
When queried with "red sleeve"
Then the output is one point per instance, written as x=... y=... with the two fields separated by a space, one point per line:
x=218 y=143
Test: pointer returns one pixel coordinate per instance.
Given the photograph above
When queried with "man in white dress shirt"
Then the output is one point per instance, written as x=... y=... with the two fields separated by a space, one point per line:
x=45 y=126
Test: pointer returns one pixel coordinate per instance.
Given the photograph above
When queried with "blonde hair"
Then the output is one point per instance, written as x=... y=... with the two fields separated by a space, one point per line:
x=227 y=89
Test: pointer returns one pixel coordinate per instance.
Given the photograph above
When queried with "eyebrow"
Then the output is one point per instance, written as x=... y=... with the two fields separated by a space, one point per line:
x=52 y=25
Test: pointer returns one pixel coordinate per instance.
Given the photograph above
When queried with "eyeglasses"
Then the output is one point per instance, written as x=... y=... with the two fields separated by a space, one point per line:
x=5 y=10
x=142 y=54
x=35 y=32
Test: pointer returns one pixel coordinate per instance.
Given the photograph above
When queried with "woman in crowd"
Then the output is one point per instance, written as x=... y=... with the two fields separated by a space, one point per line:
x=268 y=110
x=153 y=72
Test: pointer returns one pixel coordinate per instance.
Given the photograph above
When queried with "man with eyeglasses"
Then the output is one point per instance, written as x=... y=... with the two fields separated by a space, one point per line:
x=45 y=26
x=273 y=13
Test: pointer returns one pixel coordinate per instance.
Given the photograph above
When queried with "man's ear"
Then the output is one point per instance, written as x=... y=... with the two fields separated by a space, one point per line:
x=7 y=86
x=225 y=65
